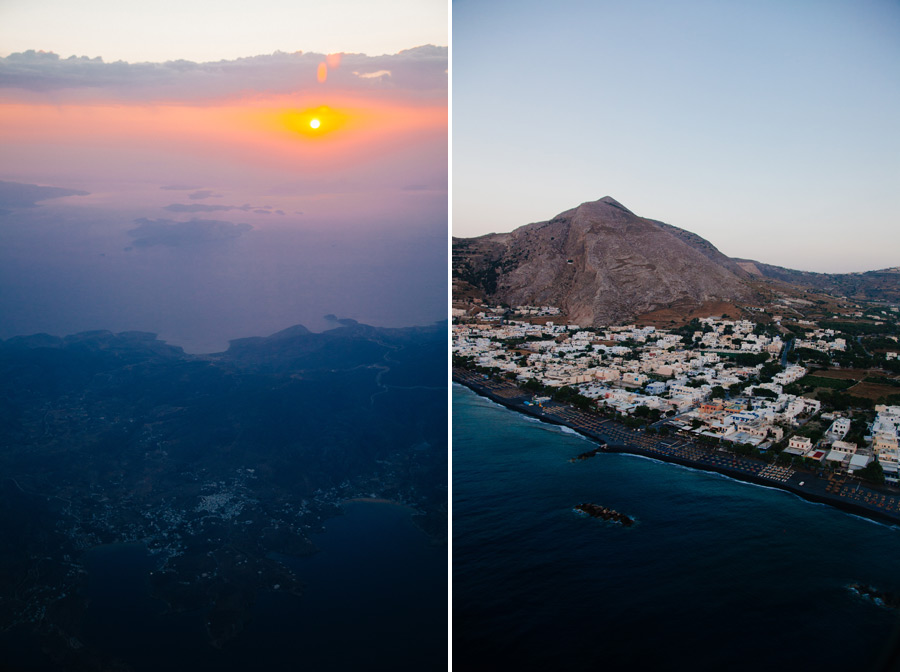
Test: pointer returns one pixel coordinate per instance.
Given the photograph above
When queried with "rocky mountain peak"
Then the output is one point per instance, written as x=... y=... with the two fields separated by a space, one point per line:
x=601 y=264
x=609 y=200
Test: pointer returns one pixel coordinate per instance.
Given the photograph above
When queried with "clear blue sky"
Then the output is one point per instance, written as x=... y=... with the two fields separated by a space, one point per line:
x=770 y=128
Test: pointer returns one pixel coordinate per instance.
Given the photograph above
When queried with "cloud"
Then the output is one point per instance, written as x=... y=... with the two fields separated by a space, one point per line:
x=373 y=75
x=19 y=195
x=198 y=207
x=420 y=72
x=170 y=233
x=203 y=193
x=202 y=207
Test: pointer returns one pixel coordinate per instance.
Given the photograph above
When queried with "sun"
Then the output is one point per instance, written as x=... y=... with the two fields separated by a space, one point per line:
x=314 y=123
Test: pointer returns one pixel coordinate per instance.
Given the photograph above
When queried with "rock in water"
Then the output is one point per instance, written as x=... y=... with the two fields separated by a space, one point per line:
x=597 y=511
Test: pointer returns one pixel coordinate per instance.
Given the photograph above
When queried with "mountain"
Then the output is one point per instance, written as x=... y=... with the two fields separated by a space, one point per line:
x=881 y=285
x=601 y=264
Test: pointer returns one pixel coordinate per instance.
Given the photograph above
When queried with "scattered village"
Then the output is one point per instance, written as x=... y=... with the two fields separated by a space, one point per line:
x=716 y=380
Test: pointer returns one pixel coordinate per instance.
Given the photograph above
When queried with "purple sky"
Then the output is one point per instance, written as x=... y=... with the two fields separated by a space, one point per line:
x=213 y=210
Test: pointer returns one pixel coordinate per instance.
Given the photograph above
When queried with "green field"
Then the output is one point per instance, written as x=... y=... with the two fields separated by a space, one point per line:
x=830 y=383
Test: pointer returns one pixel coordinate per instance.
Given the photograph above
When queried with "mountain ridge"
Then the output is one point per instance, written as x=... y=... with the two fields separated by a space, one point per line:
x=601 y=263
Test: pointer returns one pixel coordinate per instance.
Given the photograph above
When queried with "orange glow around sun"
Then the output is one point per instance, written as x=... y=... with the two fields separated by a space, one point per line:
x=276 y=131
x=313 y=122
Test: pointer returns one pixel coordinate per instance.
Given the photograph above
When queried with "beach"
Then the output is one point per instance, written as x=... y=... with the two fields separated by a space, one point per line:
x=877 y=503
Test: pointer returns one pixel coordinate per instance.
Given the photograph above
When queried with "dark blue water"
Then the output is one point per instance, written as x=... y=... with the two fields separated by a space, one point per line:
x=716 y=575
x=375 y=599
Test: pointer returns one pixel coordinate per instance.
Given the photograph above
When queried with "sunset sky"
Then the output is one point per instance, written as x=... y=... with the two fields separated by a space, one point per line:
x=221 y=198
x=769 y=128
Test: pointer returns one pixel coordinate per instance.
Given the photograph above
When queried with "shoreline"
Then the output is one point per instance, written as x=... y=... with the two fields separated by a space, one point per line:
x=882 y=506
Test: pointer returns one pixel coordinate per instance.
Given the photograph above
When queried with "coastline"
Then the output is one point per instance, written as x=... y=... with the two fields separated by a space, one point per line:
x=882 y=506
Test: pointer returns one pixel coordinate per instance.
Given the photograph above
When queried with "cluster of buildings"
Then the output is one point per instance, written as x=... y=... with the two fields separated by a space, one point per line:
x=738 y=335
x=885 y=431
x=627 y=367
x=823 y=340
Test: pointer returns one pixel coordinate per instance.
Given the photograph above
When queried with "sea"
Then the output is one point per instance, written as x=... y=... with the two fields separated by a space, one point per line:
x=375 y=599
x=716 y=574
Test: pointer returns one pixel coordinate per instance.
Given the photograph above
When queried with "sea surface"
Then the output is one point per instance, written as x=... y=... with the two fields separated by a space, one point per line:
x=716 y=574
x=375 y=599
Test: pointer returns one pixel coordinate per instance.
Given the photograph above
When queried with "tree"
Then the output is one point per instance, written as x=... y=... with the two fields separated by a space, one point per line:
x=717 y=392
x=768 y=371
x=813 y=432
x=872 y=472
x=565 y=393
x=858 y=430
x=742 y=448
x=532 y=385
x=583 y=403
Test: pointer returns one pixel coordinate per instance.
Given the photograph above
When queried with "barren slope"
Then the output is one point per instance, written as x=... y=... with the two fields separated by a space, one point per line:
x=600 y=263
